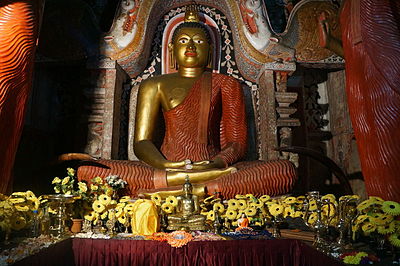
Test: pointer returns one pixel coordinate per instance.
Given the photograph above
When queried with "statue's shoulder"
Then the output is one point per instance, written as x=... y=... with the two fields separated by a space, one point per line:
x=157 y=81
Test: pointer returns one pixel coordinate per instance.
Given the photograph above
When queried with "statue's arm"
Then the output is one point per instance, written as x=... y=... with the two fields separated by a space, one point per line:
x=148 y=106
x=233 y=125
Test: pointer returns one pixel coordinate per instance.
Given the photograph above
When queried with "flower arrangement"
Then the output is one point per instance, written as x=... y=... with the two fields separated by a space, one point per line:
x=356 y=258
x=16 y=210
x=167 y=205
x=377 y=216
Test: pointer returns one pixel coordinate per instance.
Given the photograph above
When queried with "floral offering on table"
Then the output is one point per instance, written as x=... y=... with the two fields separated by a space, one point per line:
x=378 y=217
x=356 y=258
x=17 y=209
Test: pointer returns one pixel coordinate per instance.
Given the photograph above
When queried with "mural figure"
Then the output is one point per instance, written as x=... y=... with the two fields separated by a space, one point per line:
x=124 y=27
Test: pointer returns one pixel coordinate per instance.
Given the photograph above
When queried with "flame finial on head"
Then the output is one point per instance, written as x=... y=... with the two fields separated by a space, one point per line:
x=192 y=13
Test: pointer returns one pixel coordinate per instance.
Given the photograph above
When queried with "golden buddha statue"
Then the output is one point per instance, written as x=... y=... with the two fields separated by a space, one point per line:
x=206 y=130
x=187 y=216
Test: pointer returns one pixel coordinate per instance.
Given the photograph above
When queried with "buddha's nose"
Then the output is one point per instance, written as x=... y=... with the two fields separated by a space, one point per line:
x=191 y=46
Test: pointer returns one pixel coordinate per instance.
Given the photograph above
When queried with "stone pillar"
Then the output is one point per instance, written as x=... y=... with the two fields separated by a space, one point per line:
x=104 y=110
x=274 y=111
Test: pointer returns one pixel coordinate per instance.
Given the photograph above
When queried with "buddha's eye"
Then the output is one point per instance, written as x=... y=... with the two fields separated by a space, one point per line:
x=183 y=40
x=198 y=41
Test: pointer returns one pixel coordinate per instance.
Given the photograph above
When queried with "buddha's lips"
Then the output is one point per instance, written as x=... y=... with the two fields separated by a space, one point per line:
x=190 y=53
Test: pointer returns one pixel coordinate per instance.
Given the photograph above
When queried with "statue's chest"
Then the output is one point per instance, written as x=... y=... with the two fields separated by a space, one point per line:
x=175 y=96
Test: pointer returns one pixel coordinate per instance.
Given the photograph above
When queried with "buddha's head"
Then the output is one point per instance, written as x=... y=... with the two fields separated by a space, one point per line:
x=187 y=187
x=191 y=43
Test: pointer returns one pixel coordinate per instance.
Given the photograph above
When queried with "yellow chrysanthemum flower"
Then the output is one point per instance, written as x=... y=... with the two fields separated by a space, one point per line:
x=119 y=212
x=375 y=199
x=239 y=197
x=104 y=199
x=312 y=205
x=288 y=211
x=264 y=198
x=289 y=200
x=124 y=199
x=70 y=171
x=219 y=207
x=250 y=212
x=30 y=195
x=300 y=199
x=65 y=180
x=250 y=196
x=331 y=197
x=172 y=200
x=352 y=260
x=381 y=219
x=56 y=180
x=167 y=207
x=368 y=227
x=111 y=215
x=16 y=200
x=90 y=216
x=156 y=198
x=57 y=190
x=97 y=180
x=231 y=214
x=395 y=240
x=233 y=204
x=275 y=209
x=129 y=208
x=298 y=214
x=98 y=206
x=391 y=207
x=104 y=215
x=122 y=219
x=328 y=210
x=94 y=187
x=211 y=215
x=387 y=229
x=242 y=204
x=312 y=218
x=360 y=219
x=258 y=204
x=364 y=205
x=82 y=187
x=21 y=208
x=18 y=222
x=109 y=192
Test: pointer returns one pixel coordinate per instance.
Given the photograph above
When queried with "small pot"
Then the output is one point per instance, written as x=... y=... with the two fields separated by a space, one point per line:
x=76 y=225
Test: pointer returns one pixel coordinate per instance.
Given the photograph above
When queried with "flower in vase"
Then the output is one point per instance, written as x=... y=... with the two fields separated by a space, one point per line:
x=16 y=200
x=104 y=199
x=387 y=229
x=288 y=211
x=239 y=197
x=242 y=204
x=167 y=207
x=90 y=216
x=250 y=212
x=289 y=200
x=94 y=187
x=264 y=198
x=364 y=205
x=129 y=208
x=156 y=198
x=104 y=215
x=233 y=204
x=56 y=180
x=97 y=180
x=312 y=205
x=18 y=222
x=98 y=206
x=391 y=207
x=122 y=219
x=312 y=218
x=124 y=199
x=231 y=214
x=82 y=187
x=65 y=180
x=395 y=239
x=368 y=227
x=211 y=215
x=219 y=207
x=275 y=209
x=172 y=201
x=250 y=196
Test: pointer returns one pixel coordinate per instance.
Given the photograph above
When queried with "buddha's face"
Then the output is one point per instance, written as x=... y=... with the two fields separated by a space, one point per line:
x=191 y=48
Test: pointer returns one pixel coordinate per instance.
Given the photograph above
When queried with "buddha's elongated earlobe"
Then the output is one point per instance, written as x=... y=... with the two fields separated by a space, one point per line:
x=172 y=61
x=210 y=57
